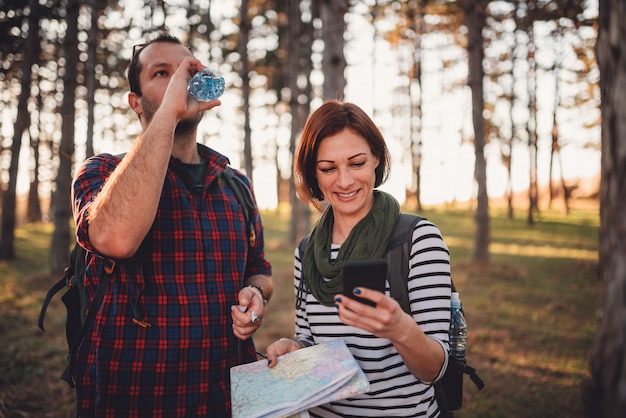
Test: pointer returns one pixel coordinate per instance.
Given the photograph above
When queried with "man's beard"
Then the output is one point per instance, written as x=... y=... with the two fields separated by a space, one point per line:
x=183 y=127
x=188 y=125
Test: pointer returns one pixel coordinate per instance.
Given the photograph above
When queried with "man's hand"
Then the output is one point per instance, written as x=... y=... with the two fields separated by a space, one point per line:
x=248 y=315
x=176 y=100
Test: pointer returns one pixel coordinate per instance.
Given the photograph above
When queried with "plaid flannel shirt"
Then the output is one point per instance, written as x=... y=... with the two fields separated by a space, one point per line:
x=194 y=261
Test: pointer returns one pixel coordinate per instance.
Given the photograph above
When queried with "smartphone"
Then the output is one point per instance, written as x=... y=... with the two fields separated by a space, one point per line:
x=364 y=273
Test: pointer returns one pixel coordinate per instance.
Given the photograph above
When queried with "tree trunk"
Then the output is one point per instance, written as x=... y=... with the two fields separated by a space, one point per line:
x=513 y=97
x=555 y=149
x=333 y=60
x=9 y=198
x=475 y=18
x=307 y=35
x=293 y=56
x=606 y=395
x=299 y=44
x=566 y=190
x=533 y=186
x=244 y=73
x=34 y=203
x=507 y=155
x=34 y=211
x=61 y=208
x=416 y=131
x=90 y=76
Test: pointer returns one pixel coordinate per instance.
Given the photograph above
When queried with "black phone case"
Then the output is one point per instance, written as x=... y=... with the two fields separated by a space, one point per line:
x=364 y=273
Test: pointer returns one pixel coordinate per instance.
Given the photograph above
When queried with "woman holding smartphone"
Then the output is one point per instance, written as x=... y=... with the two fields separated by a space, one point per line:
x=341 y=158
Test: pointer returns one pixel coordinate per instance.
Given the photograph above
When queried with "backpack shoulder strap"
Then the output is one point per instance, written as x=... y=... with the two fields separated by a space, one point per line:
x=302 y=285
x=58 y=286
x=302 y=246
x=72 y=272
x=397 y=255
x=74 y=277
x=244 y=197
x=92 y=310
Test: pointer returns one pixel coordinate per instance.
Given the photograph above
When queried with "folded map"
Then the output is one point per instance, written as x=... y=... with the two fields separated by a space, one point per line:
x=302 y=379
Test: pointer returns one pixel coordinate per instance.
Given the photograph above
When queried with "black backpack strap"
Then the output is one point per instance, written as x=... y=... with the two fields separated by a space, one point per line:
x=244 y=197
x=397 y=255
x=302 y=286
x=442 y=400
x=471 y=372
x=94 y=307
x=76 y=267
x=58 y=286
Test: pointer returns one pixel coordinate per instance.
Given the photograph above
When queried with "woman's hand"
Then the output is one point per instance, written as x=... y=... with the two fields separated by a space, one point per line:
x=422 y=355
x=280 y=347
x=386 y=320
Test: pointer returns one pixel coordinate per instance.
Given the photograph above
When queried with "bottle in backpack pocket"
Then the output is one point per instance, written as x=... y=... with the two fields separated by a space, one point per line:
x=458 y=329
x=453 y=379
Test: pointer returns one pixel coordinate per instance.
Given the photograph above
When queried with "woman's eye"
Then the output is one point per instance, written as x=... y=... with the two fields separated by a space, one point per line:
x=326 y=169
x=358 y=163
x=160 y=73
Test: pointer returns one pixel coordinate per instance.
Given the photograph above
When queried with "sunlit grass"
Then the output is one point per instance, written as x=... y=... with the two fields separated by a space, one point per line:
x=529 y=250
x=531 y=312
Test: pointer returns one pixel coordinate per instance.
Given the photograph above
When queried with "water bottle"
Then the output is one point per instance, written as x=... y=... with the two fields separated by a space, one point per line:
x=206 y=85
x=458 y=329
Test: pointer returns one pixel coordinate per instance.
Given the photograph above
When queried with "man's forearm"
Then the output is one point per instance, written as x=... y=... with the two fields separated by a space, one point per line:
x=123 y=213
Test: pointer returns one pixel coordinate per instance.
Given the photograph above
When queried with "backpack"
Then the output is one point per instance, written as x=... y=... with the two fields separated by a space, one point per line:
x=449 y=389
x=80 y=316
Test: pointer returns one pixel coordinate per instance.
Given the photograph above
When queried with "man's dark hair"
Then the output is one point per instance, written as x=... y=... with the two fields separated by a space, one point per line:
x=134 y=67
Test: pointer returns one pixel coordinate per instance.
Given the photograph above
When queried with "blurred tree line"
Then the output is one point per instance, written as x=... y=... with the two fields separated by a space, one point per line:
x=64 y=87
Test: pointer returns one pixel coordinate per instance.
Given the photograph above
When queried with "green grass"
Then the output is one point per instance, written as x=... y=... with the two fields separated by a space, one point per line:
x=530 y=311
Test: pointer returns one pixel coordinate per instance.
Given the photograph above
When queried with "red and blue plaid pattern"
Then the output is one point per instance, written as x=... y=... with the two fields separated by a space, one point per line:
x=194 y=261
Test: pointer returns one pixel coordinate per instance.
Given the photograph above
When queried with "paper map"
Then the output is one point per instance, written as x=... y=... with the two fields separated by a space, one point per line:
x=301 y=380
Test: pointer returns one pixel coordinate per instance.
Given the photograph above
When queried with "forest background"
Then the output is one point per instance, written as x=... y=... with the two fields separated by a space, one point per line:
x=471 y=95
x=529 y=95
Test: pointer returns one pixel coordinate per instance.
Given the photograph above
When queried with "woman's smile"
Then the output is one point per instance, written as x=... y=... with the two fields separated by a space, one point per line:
x=346 y=174
x=347 y=196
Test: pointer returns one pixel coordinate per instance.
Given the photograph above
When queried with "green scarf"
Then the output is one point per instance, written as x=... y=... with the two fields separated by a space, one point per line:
x=368 y=240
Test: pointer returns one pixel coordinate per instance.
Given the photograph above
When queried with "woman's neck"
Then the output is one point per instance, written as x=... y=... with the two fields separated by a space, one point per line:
x=342 y=226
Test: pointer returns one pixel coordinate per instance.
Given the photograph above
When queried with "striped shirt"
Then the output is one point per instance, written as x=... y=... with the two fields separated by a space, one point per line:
x=195 y=259
x=394 y=391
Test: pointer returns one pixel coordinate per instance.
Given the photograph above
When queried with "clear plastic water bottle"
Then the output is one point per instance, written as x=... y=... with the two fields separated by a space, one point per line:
x=206 y=85
x=458 y=329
